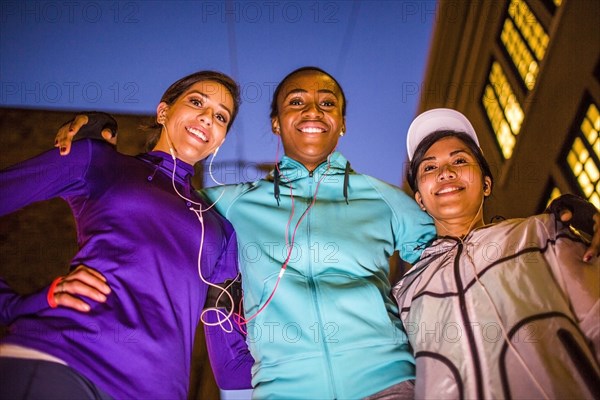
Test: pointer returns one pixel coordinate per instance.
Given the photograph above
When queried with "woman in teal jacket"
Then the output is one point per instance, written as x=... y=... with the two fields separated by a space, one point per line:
x=327 y=327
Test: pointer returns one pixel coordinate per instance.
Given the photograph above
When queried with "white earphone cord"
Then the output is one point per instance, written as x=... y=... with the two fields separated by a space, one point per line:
x=198 y=213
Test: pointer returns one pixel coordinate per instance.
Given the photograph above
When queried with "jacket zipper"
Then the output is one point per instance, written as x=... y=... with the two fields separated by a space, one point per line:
x=312 y=285
x=466 y=323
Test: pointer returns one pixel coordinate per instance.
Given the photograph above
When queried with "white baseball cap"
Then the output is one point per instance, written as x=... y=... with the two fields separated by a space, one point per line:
x=434 y=120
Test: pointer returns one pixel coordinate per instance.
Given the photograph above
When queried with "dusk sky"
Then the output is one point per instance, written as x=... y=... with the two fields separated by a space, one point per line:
x=120 y=56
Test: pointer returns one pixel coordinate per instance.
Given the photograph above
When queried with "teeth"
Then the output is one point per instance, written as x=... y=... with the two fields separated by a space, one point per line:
x=197 y=133
x=312 y=130
x=448 y=190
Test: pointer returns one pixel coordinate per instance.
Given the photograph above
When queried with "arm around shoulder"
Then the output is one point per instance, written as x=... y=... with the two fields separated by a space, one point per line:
x=44 y=177
x=415 y=228
x=580 y=282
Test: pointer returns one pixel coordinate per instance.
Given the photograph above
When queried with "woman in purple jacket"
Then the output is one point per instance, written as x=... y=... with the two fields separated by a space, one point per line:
x=138 y=224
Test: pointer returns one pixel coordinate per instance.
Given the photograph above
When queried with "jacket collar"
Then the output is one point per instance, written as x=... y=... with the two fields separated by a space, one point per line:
x=294 y=170
x=164 y=162
x=440 y=245
x=446 y=243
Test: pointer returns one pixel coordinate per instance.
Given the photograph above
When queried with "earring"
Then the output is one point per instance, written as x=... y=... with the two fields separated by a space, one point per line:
x=342 y=133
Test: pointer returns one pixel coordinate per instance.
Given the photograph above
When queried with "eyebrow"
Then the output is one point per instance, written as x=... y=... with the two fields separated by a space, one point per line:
x=295 y=91
x=205 y=96
x=452 y=153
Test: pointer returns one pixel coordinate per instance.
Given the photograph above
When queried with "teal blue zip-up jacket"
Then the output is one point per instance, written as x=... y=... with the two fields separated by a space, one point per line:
x=331 y=329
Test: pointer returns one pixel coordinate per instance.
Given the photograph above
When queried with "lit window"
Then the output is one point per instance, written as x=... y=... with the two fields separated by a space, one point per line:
x=503 y=110
x=521 y=56
x=584 y=156
x=529 y=27
x=525 y=41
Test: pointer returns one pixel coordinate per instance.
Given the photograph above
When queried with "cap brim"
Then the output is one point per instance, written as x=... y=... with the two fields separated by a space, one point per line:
x=437 y=119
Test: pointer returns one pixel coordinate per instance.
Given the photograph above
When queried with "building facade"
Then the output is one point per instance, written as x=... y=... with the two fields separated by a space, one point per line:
x=527 y=75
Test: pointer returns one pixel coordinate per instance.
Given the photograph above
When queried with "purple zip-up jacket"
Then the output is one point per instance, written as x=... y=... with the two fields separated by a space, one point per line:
x=134 y=229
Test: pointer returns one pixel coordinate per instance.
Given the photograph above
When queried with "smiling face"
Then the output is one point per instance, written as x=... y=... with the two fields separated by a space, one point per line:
x=309 y=118
x=197 y=121
x=451 y=187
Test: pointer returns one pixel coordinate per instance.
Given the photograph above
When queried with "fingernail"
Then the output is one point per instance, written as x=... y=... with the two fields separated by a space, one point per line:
x=63 y=149
x=86 y=307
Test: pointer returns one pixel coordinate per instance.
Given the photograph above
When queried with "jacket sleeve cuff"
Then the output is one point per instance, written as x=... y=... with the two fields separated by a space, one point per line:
x=229 y=356
x=13 y=305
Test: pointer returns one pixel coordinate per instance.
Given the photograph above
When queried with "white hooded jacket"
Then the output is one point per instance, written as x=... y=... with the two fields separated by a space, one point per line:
x=521 y=279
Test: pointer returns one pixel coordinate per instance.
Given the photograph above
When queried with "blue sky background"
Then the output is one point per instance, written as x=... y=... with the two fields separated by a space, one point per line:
x=120 y=56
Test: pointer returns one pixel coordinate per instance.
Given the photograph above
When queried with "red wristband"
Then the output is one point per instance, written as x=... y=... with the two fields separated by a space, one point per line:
x=51 y=302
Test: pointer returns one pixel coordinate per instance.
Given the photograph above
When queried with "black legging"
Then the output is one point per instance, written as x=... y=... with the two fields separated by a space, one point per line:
x=36 y=379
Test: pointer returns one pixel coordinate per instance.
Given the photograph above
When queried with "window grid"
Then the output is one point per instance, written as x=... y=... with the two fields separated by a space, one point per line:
x=584 y=156
x=520 y=54
x=529 y=27
x=503 y=110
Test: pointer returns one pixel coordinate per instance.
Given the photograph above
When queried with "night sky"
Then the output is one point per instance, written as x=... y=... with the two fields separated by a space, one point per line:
x=120 y=56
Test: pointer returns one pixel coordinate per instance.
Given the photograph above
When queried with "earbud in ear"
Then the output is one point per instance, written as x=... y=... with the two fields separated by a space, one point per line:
x=486 y=189
x=162 y=117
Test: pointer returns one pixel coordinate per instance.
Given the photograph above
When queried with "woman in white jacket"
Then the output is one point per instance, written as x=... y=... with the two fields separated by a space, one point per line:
x=493 y=311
